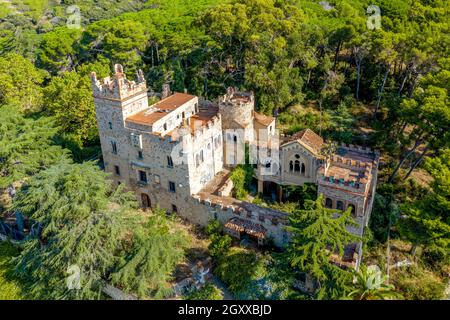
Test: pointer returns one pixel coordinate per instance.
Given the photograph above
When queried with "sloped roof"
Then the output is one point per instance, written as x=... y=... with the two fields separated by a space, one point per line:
x=160 y=109
x=309 y=139
x=263 y=119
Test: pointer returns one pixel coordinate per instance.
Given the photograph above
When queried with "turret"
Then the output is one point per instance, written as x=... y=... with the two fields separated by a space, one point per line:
x=236 y=109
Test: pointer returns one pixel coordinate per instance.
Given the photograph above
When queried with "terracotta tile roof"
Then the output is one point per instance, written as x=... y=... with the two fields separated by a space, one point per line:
x=263 y=119
x=160 y=109
x=248 y=227
x=309 y=139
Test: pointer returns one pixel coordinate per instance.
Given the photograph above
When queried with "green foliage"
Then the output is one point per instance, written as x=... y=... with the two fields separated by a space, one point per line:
x=83 y=224
x=427 y=219
x=69 y=99
x=385 y=212
x=26 y=146
x=242 y=178
x=316 y=234
x=20 y=83
x=207 y=292
x=10 y=288
x=239 y=269
x=371 y=285
x=213 y=227
x=57 y=50
x=219 y=245
x=147 y=266
x=417 y=283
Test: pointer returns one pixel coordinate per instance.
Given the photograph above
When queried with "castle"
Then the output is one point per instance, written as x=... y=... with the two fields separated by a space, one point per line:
x=177 y=154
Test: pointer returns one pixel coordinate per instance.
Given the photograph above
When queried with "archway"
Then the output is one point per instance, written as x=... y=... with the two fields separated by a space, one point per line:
x=145 y=201
x=328 y=203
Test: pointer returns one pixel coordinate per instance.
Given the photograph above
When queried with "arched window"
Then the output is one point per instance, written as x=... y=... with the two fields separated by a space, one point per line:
x=353 y=212
x=291 y=166
x=145 y=200
x=328 y=203
x=297 y=166
x=340 y=205
x=303 y=168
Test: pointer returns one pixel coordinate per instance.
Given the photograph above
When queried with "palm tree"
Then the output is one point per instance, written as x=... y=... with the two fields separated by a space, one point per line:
x=371 y=285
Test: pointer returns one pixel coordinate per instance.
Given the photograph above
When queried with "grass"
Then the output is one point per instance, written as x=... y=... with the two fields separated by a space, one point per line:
x=9 y=286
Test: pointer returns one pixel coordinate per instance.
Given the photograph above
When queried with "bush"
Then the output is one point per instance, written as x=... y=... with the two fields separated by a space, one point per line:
x=219 y=245
x=416 y=283
x=239 y=269
x=208 y=292
x=242 y=179
x=213 y=227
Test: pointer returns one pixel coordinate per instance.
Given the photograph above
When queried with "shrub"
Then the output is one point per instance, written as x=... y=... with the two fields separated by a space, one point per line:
x=416 y=283
x=208 y=292
x=239 y=269
x=213 y=227
x=219 y=245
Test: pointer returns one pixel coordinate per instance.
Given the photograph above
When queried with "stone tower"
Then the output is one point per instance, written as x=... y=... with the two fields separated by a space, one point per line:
x=115 y=99
x=236 y=109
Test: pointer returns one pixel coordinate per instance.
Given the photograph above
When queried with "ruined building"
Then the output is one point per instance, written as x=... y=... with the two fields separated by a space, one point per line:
x=176 y=154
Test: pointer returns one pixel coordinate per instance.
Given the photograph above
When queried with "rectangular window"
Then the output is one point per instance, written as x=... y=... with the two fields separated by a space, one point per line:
x=174 y=208
x=140 y=155
x=114 y=147
x=142 y=176
x=157 y=179
x=169 y=161
x=117 y=170
x=165 y=126
x=171 y=186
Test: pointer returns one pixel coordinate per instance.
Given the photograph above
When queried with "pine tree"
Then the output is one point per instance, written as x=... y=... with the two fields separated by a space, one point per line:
x=26 y=146
x=147 y=266
x=83 y=225
x=318 y=232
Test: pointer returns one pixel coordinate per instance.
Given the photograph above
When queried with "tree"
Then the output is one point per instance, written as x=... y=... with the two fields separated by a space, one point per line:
x=83 y=223
x=20 y=83
x=57 y=50
x=26 y=146
x=428 y=114
x=69 y=99
x=371 y=285
x=317 y=233
x=427 y=220
x=147 y=266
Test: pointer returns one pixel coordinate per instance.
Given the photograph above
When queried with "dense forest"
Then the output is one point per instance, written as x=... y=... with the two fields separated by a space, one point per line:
x=315 y=65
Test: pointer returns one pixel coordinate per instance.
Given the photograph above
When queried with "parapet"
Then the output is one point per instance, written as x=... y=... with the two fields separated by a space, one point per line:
x=119 y=87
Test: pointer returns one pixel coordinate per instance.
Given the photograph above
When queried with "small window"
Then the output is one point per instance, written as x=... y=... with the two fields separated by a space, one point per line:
x=174 y=208
x=235 y=139
x=297 y=156
x=157 y=179
x=171 y=186
x=140 y=155
x=165 y=126
x=117 y=170
x=110 y=125
x=340 y=205
x=169 y=161
x=196 y=108
x=142 y=176
x=202 y=158
x=328 y=203
x=114 y=147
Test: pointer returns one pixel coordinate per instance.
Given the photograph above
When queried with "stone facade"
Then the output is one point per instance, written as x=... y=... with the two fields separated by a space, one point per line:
x=175 y=154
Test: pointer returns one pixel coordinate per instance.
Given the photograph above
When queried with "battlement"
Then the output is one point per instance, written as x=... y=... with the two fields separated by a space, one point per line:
x=243 y=209
x=360 y=149
x=237 y=98
x=119 y=87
